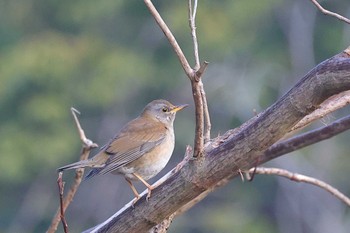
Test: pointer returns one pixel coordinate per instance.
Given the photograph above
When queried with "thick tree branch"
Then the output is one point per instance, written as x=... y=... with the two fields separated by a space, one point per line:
x=236 y=150
x=276 y=150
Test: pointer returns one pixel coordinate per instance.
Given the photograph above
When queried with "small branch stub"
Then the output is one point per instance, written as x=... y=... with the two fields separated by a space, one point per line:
x=202 y=69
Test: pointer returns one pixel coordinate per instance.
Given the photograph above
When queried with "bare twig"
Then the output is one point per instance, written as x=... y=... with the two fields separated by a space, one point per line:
x=207 y=123
x=330 y=105
x=192 y=19
x=193 y=74
x=87 y=142
x=185 y=65
x=207 y=127
x=327 y=12
x=203 y=126
x=196 y=82
x=60 y=184
x=302 y=178
x=87 y=146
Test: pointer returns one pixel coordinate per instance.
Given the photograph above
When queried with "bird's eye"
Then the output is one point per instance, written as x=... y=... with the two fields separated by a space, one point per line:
x=165 y=109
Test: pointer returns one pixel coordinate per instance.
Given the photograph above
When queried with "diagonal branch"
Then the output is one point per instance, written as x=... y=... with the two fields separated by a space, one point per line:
x=171 y=38
x=276 y=150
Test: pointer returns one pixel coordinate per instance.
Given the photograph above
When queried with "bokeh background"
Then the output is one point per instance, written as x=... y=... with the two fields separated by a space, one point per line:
x=108 y=59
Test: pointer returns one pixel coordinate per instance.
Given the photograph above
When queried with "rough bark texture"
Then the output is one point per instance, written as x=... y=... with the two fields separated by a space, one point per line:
x=236 y=150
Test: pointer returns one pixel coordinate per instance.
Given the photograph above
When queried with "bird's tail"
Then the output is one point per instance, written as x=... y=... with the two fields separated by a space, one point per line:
x=80 y=164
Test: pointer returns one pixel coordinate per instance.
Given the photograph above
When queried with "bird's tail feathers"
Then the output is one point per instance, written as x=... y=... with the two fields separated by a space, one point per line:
x=92 y=173
x=80 y=164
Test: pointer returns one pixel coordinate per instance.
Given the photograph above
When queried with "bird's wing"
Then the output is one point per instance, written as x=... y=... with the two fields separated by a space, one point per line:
x=134 y=140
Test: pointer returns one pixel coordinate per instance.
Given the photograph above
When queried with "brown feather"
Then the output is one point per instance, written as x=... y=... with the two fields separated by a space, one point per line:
x=134 y=140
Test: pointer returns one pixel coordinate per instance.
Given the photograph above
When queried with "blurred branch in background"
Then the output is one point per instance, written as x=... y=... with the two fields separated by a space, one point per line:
x=79 y=173
x=327 y=12
x=300 y=178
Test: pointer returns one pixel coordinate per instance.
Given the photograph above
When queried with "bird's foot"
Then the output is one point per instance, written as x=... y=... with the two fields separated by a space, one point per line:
x=149 y=193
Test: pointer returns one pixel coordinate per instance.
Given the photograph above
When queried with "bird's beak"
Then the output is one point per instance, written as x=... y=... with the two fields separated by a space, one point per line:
x=178 y=107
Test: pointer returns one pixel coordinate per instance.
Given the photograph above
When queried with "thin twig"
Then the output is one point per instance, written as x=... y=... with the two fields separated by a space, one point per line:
x=60 y=184
x=200 y=69
x=196 y=83
x=86 y=148
x=87 y=142
x=192 y=19
x=327 y=12
x=207 y=122
x=203 y=125
x=207 y=127
x=302 y=178
x=192 y=74
x=185 y=65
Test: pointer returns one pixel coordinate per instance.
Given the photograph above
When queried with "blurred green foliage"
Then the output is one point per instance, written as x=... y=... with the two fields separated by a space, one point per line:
x=108 y=59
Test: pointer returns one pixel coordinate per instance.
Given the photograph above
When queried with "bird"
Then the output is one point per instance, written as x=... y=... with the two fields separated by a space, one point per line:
x=140 y=150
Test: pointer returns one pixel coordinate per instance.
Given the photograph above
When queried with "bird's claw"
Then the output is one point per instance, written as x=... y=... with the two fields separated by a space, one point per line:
x=148 y=195
x=134 y=201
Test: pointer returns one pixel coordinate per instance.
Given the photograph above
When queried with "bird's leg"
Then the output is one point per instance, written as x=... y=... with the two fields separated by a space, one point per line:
x=137 y=196
x=149 y=187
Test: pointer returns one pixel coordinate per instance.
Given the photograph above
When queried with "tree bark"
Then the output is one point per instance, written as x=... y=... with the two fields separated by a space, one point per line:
x=236 y=150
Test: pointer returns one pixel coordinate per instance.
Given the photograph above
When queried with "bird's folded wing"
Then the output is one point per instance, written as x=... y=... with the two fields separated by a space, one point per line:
x=133 y=141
